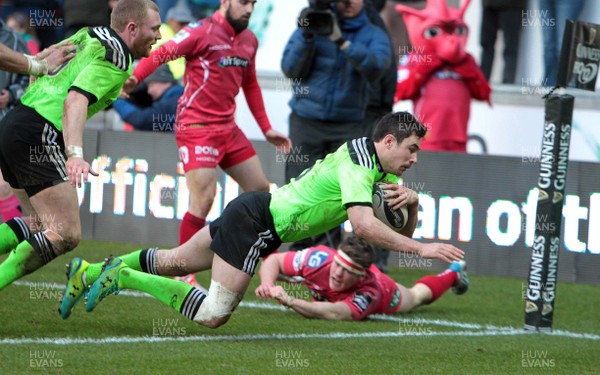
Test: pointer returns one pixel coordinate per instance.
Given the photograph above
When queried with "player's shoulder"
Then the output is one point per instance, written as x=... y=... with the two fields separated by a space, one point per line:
x=318 y=256
x=113 y=48
x=361 y=152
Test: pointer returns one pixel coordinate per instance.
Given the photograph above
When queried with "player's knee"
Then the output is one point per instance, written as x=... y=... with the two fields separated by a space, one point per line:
x=217 y=307
x=214 y=322
x=64 y=241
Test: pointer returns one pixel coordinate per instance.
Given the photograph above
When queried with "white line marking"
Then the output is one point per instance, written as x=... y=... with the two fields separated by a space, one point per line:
x=299 y=336
x=477 y=329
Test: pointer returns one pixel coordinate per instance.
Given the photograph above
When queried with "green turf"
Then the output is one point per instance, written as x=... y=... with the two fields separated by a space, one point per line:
x=247 y=344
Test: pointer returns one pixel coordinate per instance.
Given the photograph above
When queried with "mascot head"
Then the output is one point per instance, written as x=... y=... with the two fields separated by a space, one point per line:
x=437 y=29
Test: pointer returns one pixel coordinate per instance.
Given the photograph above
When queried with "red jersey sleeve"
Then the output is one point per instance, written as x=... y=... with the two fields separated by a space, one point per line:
x=254 y=97
x=187 y=42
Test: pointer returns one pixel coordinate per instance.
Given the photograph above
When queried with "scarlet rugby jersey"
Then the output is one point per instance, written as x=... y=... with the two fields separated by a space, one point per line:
x=218 y=63
x=314 y=263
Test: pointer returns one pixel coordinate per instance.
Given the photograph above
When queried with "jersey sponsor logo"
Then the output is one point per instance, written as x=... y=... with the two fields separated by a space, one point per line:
x=314 y=294
x=193 y=25
x=206 y=150
x=180 y=36
x=361 y=301
x=316 y=259
x=446 y=74
x=233 y=61
x=219 y=47
x=299 y=259
x=184 y=154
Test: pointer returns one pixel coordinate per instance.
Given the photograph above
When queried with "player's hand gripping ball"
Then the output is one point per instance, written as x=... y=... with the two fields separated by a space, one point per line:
x=395 y=219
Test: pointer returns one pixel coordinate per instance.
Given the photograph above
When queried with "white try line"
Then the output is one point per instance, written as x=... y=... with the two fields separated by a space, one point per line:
x=413 y=327
x=296 y=336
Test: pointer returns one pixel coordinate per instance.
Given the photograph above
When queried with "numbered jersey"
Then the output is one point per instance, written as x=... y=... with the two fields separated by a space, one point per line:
x=314 y=264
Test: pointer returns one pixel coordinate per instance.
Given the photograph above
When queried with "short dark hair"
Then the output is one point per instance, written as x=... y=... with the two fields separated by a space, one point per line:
x=359 y=250
x=399 y=124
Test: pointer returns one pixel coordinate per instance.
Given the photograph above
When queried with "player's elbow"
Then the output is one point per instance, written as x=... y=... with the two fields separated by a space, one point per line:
x=363 y=228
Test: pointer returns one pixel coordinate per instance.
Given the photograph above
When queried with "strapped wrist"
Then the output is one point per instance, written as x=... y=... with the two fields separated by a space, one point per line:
x=74 y=152
x=36 y=67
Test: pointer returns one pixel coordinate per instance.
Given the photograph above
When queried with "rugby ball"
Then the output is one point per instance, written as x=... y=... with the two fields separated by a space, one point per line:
x=395 y=219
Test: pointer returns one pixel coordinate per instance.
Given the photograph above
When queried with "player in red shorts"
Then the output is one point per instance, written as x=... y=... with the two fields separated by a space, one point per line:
x=345 y=285
x=219 y=53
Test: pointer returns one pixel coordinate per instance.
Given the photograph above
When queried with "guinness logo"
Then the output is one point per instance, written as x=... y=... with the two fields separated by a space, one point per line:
x=592 y=35
x=530 y=307
x=558 y=196
x=543 y=195
x=547 y=309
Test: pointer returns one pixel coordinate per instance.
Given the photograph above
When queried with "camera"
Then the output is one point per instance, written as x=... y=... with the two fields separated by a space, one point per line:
x=318 y=17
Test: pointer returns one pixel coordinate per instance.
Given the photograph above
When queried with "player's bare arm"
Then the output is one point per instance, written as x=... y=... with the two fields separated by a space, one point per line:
x=365 y=225
x=278 y=140
x=74 y=117
x=270 y=269
x=312 y=310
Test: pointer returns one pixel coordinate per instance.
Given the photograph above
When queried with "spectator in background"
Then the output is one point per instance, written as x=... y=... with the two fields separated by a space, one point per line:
x=177 y=18
x=13 y=87
x=83 y=13
x=21 y=23
x=330 y=79
x=45 y=16
x=505 y=15
x=555 y=13
x=160 y=115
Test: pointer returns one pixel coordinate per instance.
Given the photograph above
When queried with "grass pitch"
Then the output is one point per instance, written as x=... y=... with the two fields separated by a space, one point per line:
x=477 y=333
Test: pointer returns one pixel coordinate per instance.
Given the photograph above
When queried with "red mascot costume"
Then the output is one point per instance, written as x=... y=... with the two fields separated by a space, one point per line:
x=439 y=75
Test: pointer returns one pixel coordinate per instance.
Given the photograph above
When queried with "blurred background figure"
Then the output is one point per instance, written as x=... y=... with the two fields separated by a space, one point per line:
x=21 y=23
x=13 y=88
x=159 y=116
x=45 y=16
x=505 y=16
x=555 y=13
x=176 y=19
x=83 y=13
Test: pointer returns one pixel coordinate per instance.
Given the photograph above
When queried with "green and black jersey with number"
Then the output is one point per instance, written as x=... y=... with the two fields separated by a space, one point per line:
x=99 y=69
x=317 y=200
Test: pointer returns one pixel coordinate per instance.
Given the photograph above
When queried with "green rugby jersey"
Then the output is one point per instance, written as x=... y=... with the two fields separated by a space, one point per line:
x=317 y=200
x=99 y=69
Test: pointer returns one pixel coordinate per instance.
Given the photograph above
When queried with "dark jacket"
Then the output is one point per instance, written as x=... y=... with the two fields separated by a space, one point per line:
x=330 y=84
x=14 y=83
x=159 y=117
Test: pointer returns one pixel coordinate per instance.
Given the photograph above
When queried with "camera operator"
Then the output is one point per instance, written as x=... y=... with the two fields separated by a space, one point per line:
x=330 y=76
